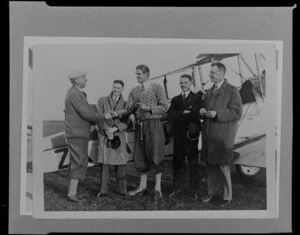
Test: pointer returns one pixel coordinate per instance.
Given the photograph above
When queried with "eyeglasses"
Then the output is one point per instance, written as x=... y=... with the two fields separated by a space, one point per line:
x=214 y=72
x=183 y=83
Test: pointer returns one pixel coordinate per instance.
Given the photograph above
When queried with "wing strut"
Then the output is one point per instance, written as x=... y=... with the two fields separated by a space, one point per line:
x=201 y=80
x=258 y=75
x=165 y=86
x=253 y=74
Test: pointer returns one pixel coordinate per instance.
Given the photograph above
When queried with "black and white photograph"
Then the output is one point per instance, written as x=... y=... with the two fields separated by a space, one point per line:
x=153 y=128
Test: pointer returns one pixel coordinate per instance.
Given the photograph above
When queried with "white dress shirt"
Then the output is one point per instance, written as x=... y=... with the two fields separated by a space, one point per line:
x=218 y=85
x=186 y=93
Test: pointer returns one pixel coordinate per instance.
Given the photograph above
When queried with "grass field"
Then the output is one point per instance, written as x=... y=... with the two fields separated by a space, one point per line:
x=248 y=194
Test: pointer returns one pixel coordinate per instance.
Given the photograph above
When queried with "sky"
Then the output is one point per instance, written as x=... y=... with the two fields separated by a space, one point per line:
x=48 y=81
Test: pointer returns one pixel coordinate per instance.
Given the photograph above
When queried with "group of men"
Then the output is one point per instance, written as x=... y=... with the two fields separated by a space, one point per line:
x=213 y=114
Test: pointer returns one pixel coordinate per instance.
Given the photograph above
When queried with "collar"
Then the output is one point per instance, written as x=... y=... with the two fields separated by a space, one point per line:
x=186 y=93
x=146 y=84
x=218 y=85
x=118 y=97
x=78 y=88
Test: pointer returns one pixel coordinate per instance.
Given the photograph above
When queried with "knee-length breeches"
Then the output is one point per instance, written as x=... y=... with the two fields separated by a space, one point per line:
x=78 y=150
x=149 y=153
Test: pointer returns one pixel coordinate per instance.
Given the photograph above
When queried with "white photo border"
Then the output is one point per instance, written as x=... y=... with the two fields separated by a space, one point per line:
x=38 y=204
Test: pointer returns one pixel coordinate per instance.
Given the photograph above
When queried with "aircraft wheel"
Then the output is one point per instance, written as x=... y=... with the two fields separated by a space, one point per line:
x=247 y=171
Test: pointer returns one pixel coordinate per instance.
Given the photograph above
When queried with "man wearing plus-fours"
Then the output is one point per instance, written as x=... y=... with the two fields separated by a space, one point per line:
x=147 y=102
x=223 y=110
x=78 y=115
x=183 y=116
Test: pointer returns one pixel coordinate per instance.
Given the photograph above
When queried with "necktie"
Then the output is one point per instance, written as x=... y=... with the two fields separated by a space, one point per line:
x=84 y=94
x=183 y=97
x=214 y=89
x=115 y=100
x=142 y=87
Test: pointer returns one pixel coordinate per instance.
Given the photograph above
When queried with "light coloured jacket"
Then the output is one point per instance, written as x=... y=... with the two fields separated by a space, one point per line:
x=108 y=155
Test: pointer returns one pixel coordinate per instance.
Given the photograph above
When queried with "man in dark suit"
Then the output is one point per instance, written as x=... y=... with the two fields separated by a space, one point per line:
x=183 y=117
x=78 y=115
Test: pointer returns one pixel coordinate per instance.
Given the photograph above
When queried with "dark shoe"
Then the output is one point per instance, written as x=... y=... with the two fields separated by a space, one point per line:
x=226 y=203
x=175 y=193
x=157 y=200
x=123 y=194
x=75 y=198
x=194 y=196
x=221 y=202
x=206 y=199
x=157 y=195
x=102 y=195
x=136 y=192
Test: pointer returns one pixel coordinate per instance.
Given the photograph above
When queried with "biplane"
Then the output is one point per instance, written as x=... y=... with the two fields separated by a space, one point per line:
x=250 y=144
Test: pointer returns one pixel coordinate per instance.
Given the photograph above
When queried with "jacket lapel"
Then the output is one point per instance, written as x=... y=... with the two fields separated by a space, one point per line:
x=213 y=96
x=221 y=90
x=79 y=92
x=180 y=102
x=188 y=100
x=119 y=103
x=110 y=101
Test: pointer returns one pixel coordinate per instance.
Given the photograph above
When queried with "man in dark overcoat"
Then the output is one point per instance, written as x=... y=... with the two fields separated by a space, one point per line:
x=222 y=112
x=78 y=116
x=183 y=117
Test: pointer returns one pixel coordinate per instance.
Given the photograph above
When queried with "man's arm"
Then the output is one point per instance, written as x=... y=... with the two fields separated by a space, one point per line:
x=174 y=114
x=84 y=110
x=129 y=108
x=234 y=110
x=194 y=116
x=162 y=105
x=102 y=124
x=122 y=125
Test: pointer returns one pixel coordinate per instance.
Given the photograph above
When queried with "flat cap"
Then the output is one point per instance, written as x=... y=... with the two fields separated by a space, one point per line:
x=76 y=74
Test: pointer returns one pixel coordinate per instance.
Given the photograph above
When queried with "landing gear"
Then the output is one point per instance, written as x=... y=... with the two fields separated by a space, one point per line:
x=247 y=171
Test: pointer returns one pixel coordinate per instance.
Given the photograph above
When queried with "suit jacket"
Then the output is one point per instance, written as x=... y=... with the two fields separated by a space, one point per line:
x=179 y=122
x=219 y=133
x=78 y=114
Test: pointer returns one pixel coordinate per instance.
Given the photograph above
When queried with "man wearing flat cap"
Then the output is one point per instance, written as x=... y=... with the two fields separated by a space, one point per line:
x=78 y=115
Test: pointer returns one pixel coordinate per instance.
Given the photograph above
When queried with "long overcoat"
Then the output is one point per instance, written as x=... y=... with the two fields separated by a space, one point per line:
x=220 y=132
x=108 y=155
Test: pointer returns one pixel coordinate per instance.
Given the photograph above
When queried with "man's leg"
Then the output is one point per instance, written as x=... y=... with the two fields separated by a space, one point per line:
x=78 y=149
x=140 y=162
x=178 y=166
x=155 y=147
x=214 y=182
x=227 y=193
x=104 y=179
x=142 y=186
x=192 y=156
x=121 y=178
x=73 y=187
x=157 y=182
